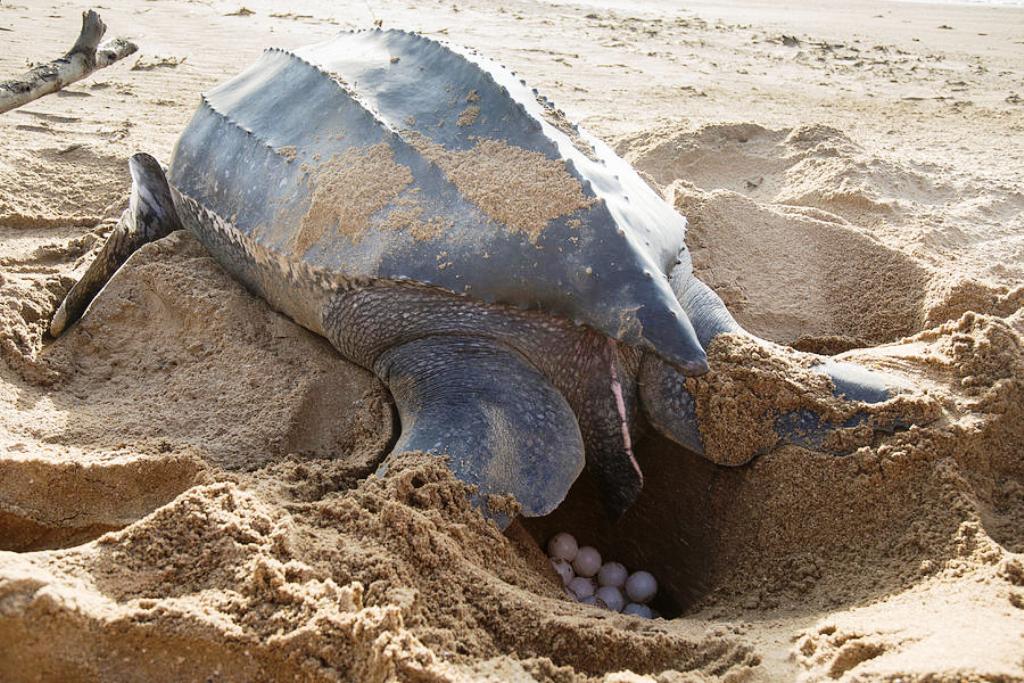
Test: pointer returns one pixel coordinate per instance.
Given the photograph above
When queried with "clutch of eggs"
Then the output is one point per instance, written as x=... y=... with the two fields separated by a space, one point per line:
x=606 y=584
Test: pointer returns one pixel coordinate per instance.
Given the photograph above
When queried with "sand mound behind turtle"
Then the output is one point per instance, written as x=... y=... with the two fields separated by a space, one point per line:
x=819 y=167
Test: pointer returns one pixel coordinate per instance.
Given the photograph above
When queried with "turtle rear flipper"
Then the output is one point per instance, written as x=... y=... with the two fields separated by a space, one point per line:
x=150 y=216
x=502 y=425
x=672 y=409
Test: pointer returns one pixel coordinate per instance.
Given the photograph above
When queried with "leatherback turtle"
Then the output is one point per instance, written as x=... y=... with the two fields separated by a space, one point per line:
x=524 y=295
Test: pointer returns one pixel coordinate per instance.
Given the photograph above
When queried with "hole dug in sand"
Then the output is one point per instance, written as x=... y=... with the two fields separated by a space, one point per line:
x=797 y=534
x=666 y=532
x=294 y=570
x=396 y=578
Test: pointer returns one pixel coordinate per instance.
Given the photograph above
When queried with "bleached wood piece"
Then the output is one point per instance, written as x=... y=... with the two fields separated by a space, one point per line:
x=85 y=57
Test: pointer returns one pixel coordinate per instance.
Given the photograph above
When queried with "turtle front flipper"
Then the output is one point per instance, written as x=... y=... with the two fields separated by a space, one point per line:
x=149 y=216
x=501 y=424
x=850 y=406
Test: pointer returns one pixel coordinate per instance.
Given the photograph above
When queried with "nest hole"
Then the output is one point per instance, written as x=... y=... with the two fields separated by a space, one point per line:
x=668 y=531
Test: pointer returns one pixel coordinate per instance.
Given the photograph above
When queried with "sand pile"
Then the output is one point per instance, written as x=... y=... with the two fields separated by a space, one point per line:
x=295 y=570
x=184 y=474
x=813 y=241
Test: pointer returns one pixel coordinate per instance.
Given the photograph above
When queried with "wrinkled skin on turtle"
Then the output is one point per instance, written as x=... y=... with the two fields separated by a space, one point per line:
x=525 y=296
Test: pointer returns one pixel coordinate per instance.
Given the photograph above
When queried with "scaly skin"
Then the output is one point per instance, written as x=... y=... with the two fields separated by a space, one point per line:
x=597 y=377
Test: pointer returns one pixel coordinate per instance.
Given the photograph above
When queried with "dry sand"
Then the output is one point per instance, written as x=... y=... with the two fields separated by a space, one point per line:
x=183 y=490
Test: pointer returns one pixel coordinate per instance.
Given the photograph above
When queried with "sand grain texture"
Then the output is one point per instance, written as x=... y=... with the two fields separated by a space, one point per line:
x=346 y=191
x=517 y=188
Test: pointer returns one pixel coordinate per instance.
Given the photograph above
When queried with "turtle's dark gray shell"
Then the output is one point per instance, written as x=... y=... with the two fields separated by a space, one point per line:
x=387 y=155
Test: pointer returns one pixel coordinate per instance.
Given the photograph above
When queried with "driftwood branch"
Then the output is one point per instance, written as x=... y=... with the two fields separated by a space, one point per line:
x=86 y=56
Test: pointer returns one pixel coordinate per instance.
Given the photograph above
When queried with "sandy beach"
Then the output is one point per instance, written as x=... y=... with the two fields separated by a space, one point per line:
x=185 y=475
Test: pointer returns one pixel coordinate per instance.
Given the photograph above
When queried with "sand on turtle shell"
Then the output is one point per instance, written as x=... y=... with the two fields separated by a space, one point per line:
x=468 y=115
x=347 y=190
x=517 y=188
x=407 y=214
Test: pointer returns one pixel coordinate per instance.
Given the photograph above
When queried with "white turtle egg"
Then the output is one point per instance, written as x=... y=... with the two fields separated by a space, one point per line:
x=612 y=574
x=611 y=597
x=582 y=587
x=638 y=610
x=641 y=586
x=563 y=547
x=589 y=600
x=563 y=569
x=587 y=561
